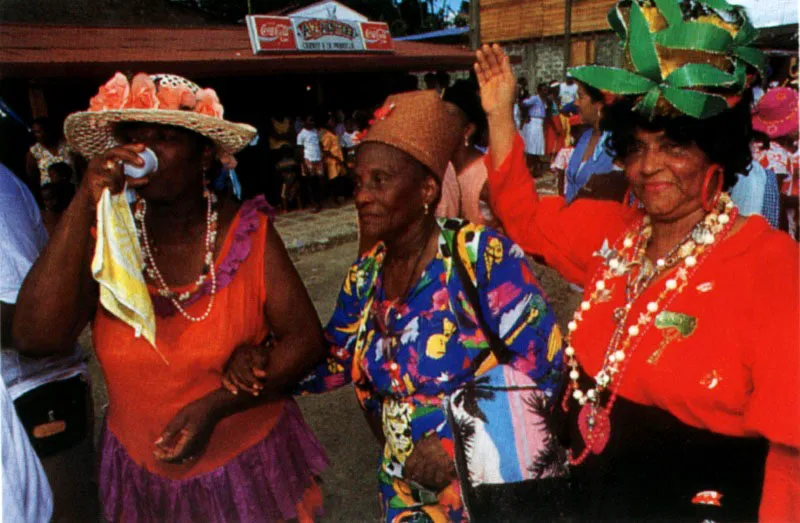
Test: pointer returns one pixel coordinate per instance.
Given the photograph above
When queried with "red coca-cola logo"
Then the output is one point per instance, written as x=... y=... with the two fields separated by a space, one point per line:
x=275 y=31
x=376 y=35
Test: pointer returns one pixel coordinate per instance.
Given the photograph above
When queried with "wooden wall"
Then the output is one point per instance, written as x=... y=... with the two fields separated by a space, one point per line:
x=509 y=20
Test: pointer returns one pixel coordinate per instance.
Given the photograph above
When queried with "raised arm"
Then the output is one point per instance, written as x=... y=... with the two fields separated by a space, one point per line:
x=59 y=295
x=563 y=236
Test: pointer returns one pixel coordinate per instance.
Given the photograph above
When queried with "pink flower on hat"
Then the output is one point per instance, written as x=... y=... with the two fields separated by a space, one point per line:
x=143 y=93
x=208 y=103
x=112 y=95
x=176 y=98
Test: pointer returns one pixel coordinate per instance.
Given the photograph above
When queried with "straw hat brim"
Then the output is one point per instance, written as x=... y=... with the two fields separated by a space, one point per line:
x=92 y=132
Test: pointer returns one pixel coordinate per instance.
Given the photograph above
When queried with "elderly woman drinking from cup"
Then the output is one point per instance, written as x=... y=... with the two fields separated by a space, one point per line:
x=435 y=320
x=684 y=352
x=177 y=446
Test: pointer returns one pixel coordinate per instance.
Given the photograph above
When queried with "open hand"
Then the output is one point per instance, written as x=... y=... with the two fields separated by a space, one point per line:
x=185 y=437
x=245 y=370
x=430 y=465
x=496 y=80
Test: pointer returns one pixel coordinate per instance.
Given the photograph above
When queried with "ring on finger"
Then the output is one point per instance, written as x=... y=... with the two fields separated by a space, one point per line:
x=109 y=165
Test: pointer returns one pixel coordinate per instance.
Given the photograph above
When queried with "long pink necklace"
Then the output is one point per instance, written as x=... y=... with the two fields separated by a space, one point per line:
x=628 y=263
x=209 y=270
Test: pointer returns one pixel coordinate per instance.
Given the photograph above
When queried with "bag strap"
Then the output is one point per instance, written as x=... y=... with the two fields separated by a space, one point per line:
x=497 y=346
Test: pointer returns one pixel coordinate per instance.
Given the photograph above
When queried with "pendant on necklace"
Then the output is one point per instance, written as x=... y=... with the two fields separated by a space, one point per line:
x=595 y=427
x=619 y=315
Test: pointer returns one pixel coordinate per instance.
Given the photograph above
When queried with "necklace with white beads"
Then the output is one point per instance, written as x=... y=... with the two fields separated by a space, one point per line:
x=209 y=269
x=630 y=262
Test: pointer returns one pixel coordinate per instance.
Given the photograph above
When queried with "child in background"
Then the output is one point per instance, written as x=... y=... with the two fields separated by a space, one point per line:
x=313 y=175
x=333 y=160
x=348 y=142
x=290 y=188
x=561 y=161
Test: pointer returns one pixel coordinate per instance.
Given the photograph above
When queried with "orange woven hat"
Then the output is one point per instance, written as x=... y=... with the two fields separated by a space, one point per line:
x=161 y=99
x=419 y=123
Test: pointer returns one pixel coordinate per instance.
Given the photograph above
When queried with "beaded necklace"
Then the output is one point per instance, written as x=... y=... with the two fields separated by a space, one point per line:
x=630 y=263
x=154 y=274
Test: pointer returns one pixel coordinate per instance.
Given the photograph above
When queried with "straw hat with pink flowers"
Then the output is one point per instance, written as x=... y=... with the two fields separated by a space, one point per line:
x=776 y=113
x=161 y=99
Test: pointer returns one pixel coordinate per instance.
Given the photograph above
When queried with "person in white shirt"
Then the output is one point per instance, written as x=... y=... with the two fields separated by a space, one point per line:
x=568 y=91
x=313 y=175
x=26 y=494
x=51 y=395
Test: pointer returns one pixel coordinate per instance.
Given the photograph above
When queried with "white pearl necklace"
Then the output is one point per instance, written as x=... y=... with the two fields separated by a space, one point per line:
x=208 y=260
x=623 y=342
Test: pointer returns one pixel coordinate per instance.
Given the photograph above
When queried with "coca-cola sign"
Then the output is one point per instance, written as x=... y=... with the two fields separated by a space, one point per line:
x=271 y=33
x=278 y=33
x=376 y=36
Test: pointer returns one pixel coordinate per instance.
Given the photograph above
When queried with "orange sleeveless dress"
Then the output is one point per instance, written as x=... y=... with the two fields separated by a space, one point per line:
x=145 y=393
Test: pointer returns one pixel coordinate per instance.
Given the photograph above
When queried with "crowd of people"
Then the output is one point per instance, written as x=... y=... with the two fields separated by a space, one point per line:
x=670 y=394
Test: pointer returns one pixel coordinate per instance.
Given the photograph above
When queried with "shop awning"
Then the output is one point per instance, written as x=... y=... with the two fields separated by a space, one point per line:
x=42 y=51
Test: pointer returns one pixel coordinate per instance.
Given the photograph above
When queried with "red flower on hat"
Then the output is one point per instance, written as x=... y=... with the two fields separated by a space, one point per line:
x=176 y=98
x=208 y=103
x=111 y=95
x=143 y=93
x=383 y=112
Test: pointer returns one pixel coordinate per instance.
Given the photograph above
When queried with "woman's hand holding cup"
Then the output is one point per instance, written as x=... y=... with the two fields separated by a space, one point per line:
x=106 y=171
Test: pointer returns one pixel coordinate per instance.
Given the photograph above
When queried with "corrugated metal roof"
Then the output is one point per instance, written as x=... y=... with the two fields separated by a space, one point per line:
x=441 y=33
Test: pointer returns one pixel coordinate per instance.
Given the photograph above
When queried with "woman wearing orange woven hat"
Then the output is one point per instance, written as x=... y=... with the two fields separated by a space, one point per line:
x=446 y=336
x=681 y=402
x=177 y=446
x=776 y=115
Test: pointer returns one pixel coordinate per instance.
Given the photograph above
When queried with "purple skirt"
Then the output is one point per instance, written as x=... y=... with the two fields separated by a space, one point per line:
x=263 y=483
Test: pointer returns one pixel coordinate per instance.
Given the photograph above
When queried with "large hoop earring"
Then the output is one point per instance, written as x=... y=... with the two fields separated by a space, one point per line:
x=710 y=203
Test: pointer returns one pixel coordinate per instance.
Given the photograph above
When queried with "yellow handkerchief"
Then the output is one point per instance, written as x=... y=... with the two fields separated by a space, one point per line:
x=117 y=267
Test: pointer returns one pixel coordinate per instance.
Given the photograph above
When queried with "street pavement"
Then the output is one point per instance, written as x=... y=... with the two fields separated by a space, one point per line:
x=305 y=232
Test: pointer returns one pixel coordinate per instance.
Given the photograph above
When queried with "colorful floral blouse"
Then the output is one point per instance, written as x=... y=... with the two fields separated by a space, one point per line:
x=404 y=358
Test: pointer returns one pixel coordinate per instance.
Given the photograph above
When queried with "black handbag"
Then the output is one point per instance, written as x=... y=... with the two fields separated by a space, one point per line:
x=540 y=499
x=55 y=415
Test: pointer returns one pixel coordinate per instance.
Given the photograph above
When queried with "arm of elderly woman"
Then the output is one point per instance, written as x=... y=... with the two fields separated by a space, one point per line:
x=247 y=368
x=59 y=295
x=298 y=345
x=565 y=236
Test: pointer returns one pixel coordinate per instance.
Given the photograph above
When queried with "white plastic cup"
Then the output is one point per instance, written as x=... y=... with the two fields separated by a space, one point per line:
x=150 y=166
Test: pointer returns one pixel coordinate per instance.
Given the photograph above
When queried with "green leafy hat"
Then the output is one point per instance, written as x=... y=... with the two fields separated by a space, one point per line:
x=681 y=56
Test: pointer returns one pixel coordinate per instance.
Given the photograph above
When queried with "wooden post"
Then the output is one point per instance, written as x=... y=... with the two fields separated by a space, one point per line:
x=567 y=33
x=474 y=24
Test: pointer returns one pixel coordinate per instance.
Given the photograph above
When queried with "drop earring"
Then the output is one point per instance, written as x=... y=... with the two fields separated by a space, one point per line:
x=426 y=208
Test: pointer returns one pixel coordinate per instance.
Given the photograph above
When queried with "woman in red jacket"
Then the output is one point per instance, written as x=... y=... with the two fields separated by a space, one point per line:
x=681 y=402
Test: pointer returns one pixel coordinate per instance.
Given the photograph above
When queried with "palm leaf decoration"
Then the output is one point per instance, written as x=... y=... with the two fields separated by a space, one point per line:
x=711 y=38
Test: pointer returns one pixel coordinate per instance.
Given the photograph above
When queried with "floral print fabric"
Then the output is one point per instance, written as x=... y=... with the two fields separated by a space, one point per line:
x=405 y=358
